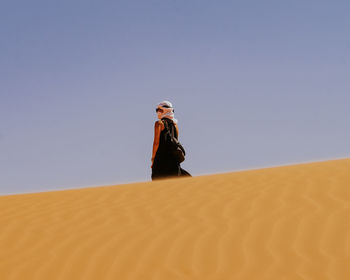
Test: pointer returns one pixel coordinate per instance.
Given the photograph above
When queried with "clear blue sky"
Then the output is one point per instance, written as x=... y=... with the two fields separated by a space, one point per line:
x=254 y=84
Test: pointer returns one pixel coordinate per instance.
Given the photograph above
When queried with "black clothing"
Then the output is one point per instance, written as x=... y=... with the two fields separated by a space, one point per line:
x=184 y=173
x=164 y=164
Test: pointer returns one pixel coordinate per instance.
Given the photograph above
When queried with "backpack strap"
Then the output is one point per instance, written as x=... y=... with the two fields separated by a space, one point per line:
x=171 y=133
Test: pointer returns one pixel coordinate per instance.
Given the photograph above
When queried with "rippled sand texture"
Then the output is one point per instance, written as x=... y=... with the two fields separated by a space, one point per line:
x=290 y=222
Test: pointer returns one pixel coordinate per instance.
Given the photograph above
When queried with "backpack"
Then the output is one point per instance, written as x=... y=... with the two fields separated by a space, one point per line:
x=176 y=149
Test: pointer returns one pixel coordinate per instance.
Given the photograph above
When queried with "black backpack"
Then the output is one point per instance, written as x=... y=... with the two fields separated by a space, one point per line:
x=176 y=149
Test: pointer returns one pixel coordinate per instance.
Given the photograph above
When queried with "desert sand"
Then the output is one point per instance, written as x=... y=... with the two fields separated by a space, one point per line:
x=290 y=222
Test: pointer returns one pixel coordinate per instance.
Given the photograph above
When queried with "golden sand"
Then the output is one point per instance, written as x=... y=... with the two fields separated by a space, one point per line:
x=290 y=222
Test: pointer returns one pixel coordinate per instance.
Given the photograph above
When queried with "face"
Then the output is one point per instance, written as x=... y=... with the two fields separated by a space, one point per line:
x=159 y=110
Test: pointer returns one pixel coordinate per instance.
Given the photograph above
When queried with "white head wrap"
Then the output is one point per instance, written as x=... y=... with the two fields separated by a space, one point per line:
x=168 y=111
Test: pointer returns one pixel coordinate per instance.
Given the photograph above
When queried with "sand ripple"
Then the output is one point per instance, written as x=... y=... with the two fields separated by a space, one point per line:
x=285 y=223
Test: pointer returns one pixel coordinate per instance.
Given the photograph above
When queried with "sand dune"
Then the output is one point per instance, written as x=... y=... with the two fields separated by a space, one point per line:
x=284 y=223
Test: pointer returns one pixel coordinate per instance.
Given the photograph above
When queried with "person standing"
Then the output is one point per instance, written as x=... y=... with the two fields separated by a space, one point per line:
x=163 y=163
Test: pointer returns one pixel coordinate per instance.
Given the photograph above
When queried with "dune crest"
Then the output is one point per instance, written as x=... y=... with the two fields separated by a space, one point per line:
x=283 y=223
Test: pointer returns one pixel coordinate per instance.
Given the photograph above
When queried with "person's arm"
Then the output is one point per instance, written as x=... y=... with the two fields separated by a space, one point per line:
x=157 y=129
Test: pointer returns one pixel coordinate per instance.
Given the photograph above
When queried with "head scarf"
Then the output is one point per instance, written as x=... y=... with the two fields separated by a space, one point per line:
x=168 y=111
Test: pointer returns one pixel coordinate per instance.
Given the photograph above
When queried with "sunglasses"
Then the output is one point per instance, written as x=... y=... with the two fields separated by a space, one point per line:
x=161 y=110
